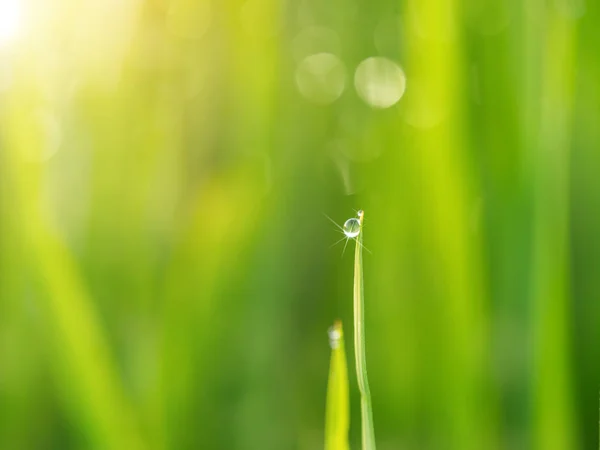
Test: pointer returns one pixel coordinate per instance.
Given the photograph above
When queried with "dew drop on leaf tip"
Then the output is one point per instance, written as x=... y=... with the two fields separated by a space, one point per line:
x=352 y=227
x=334 y=337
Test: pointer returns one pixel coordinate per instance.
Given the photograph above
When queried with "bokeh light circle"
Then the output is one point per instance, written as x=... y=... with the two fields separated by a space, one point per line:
x=321 y=78
x=380 y=82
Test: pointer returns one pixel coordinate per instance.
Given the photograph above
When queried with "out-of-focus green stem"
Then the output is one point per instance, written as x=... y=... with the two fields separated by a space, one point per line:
x=366 y=409
x=553 y=413
x=81 y=357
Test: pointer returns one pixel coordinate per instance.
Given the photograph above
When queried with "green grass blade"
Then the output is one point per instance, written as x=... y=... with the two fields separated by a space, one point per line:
x=337 y=414
x=366 y=409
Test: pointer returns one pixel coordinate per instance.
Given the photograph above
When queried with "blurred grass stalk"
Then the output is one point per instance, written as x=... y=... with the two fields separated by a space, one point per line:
x=366 y=408
x=461 y=406
x=554 y=422
x=81 y=359
x=337 y=414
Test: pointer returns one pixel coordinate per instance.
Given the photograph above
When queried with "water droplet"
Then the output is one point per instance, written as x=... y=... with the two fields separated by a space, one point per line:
x=334 y=337
x=352 y=227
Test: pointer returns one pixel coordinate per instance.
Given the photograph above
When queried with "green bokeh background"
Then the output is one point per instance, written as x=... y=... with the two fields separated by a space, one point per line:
x=166 y=276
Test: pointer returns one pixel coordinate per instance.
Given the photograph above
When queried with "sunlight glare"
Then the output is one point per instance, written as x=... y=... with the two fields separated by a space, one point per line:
x=10 y=20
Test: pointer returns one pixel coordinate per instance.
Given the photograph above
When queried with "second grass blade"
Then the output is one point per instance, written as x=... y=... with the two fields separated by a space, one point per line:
x=337 y=413
x=366 y=409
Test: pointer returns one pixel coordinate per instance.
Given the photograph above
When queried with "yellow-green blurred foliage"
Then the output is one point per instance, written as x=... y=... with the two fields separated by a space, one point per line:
x=166 y=276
